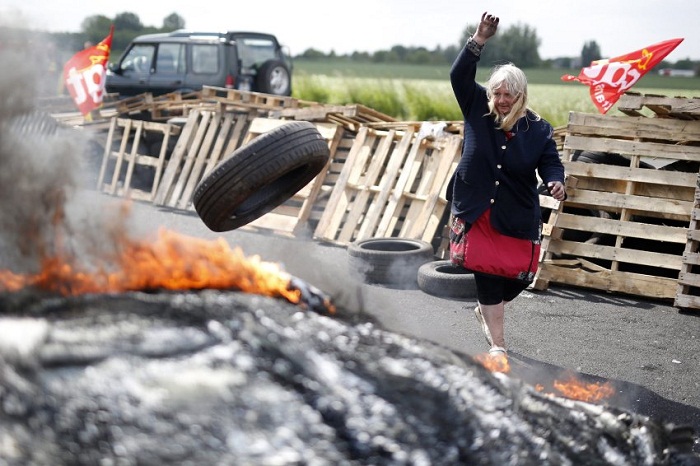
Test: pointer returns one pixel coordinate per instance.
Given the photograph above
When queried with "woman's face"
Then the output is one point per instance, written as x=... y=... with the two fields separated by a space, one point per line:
x=503 y=100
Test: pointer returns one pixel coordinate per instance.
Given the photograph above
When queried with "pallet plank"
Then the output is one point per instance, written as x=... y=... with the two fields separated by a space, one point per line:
x=385 y=185
x=213 y=132
x=173 y=167
x=622 y=282
x=643 y=149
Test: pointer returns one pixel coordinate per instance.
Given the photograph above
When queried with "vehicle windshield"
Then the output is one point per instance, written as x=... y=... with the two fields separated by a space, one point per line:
x=139 y=58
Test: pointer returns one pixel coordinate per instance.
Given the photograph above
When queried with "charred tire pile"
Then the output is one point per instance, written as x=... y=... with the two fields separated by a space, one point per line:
x=261 y=175
x=389 y=261
x=445 y=280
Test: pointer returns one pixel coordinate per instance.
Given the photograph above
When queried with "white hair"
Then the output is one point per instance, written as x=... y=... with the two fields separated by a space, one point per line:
x=515 y=82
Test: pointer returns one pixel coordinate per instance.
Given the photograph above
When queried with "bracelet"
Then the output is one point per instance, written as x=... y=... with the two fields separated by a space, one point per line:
x=474 y=47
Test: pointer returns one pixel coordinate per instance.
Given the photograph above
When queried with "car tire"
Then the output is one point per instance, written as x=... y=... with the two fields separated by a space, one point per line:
x=605 y=158
x=261 y=175
x=389 y=261
x=274 y=77
x=443 y=279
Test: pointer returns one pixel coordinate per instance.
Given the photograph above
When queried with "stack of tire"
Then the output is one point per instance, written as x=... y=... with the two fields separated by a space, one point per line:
x=406 y=264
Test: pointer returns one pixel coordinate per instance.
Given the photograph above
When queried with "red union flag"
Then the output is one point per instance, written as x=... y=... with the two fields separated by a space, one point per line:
x=84 y=75
x=609 y=79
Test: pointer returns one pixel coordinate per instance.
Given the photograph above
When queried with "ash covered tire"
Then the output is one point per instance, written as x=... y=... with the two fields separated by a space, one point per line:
x=442 y=279
x=261 y=175
x=389 y=261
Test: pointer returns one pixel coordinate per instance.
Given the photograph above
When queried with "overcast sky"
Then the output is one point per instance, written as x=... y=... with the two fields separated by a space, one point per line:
x=366 y=26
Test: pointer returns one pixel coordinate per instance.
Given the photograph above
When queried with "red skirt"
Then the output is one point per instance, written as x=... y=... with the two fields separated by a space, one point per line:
x=483 y=249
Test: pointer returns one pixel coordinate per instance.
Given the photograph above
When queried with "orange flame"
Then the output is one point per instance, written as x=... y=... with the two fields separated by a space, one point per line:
x=571 y=388
x=576 y=389
x=173 y=261
x=494 y=363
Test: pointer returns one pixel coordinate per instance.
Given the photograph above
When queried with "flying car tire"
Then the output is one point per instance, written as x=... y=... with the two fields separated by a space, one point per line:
x=260 y=176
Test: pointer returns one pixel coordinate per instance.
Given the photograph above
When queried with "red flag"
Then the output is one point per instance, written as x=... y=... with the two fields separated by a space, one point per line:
x=84 y=75
x=609 y=79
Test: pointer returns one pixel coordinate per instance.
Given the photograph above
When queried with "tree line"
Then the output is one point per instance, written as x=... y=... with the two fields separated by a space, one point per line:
x=518 y=44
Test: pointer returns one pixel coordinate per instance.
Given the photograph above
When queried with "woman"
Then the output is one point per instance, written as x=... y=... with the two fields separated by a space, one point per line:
x=505 y=146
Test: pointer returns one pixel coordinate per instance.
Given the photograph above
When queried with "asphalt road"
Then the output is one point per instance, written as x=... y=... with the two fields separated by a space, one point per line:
x=647 y=350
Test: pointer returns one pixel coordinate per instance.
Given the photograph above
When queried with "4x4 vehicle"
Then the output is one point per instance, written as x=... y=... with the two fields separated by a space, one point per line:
x=185 y=61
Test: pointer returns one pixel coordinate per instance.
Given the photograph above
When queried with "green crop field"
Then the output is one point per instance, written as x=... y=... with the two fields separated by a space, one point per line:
x=423 y=93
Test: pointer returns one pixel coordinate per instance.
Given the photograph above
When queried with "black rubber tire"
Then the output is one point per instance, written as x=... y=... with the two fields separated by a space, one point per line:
x=389 y=261
x=275 y=78
x=261 y=175
x=442 y=279
x=605 y=158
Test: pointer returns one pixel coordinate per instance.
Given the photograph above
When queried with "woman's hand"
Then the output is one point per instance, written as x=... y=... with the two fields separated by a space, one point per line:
x=486 y=29
x=557 y=190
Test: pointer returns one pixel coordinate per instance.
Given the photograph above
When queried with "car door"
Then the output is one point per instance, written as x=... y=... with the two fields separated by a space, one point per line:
x=168 y=74
x=132 y=74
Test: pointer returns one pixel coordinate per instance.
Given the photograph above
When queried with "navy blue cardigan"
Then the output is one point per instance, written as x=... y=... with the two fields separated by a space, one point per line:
x=494 y=171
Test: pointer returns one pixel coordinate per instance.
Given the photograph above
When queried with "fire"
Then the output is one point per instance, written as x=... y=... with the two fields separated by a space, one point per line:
x=571 y=387
x=497 y=363
x=579 y=390
x=173 y=261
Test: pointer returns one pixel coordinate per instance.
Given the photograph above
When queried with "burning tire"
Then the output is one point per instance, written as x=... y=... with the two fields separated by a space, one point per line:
x=442 y=279
x=389 y=261
x=261 y=175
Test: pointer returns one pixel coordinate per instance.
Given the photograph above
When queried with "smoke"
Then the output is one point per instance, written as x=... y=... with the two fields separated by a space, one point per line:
x=42 y=164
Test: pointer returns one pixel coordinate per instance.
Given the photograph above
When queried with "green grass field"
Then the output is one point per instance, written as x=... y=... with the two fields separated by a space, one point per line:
x=423 y=93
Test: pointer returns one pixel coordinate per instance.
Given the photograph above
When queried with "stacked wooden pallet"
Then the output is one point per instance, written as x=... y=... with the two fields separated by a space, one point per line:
x=624 y=227
x=351 y=117
x=682 y=108
x=393 y=184
x=127 y=151
x=688 y=292
x=207 y=137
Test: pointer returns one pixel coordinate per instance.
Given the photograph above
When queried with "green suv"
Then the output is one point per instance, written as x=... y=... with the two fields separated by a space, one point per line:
x=184 y=61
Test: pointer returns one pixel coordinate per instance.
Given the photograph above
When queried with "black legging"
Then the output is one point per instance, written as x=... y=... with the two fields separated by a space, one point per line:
x=491 y=289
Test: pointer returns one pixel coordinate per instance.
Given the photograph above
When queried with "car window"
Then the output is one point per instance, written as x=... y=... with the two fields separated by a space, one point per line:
x=139 y=58
x=256 y=51
x=170 y=58
x=205 y=59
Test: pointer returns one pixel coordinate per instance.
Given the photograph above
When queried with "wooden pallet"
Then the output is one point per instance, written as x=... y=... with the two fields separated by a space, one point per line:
x=550 y=231
x=174 y=104
x=352 y=117
x=124 y=141
x=681 y=108
x=207 y=137
x=688 y=290
x=258 y=100
x=624 y=227
x=391 y=186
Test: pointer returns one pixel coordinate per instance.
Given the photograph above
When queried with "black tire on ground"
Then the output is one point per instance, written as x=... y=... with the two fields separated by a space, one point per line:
x=261 y=175
x=442 y=279
x=274 y=78
x=389 y=261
